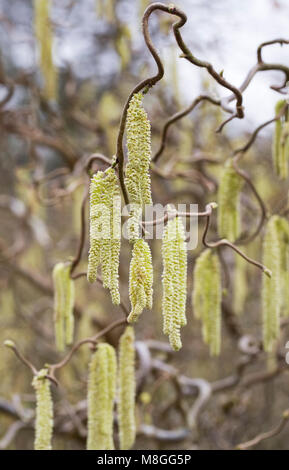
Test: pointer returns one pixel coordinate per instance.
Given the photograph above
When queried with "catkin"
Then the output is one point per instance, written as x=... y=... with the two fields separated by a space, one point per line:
x=284 y=248
x=174 y=281
x=271 y=288
x=44 y=412
x=240 y=284
x=105 y=230
x=45 y=41
x=127 y=387
x=64 y=296
x=137 y=178
x=206 y=298
x=229 y=202
x=140 y=279
x=280 y=146
x=100 y=398
x=283 y=232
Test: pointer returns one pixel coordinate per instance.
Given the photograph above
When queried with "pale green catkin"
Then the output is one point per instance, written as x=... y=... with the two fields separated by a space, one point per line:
x=137 y=178
x=100 y=398
x=229 y=202
x=105 y=230
x=140 y=279
x=127 y=390
x=284 y=151
x=240 y=285
x=44 y=412
x=64 y=296
x=174 y=280
x=206 y=298
x=271 y=289
x=283 y=231
x=280 y=144
x=44 y=36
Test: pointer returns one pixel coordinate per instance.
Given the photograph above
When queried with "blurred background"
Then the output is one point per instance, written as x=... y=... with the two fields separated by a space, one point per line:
x=53 y=115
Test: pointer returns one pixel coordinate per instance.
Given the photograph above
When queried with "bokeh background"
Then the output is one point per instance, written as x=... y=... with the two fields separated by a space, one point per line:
x=99 y=55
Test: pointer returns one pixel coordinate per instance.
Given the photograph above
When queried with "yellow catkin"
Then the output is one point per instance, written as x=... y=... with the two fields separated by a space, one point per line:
x=174 y=280
x=44 y=36
x=100 y=398
x=105 y=230
x=64 y=296
x=280 y=144
x=137 y=178
x=44 y=412
x=206 y=298
x=127 y=387
x=229 y=202
x=271 y=289
x=140 y=279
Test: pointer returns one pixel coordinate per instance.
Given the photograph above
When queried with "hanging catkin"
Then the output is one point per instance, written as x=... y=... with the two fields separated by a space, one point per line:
x=206 y=298
x=100 y=398
x=137 y=178
x=271 y=289
x=64 y=295
x=127 y=386
x=105 y=230
x=44 y=411
x=240 y=284
x=140 y=279
x=284 y=269
x=174 y=280
x=45 y=40
x=280 y=149
x=228 y=203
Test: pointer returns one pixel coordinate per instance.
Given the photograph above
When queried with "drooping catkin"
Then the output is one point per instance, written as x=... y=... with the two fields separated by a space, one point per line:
x=137 y=178
x=271 y=288
x=44 y=411
x=174 y=280
x=140 y=279
x=280 y=145
x=229 y=202
x=64 y=296
x=105 y=230
x=283 y=231
x=206 y=298
x=100 y=398
x=127 y=387
x=240 y=284
x=45 y=40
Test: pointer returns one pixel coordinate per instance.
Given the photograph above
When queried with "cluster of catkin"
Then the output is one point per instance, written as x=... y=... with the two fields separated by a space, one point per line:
x=275 y=296
x=44 y=36
x=64 y=295
x=137 y=178
x=138 y=184
x=105 y=230
x=104 y=384
x=280 y=148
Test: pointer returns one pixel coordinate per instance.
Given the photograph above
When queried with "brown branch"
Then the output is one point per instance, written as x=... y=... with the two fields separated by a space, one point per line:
x=144 y=84
x=224 y=242
x=266 y=435
x=176 y=117
x=92 y=340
